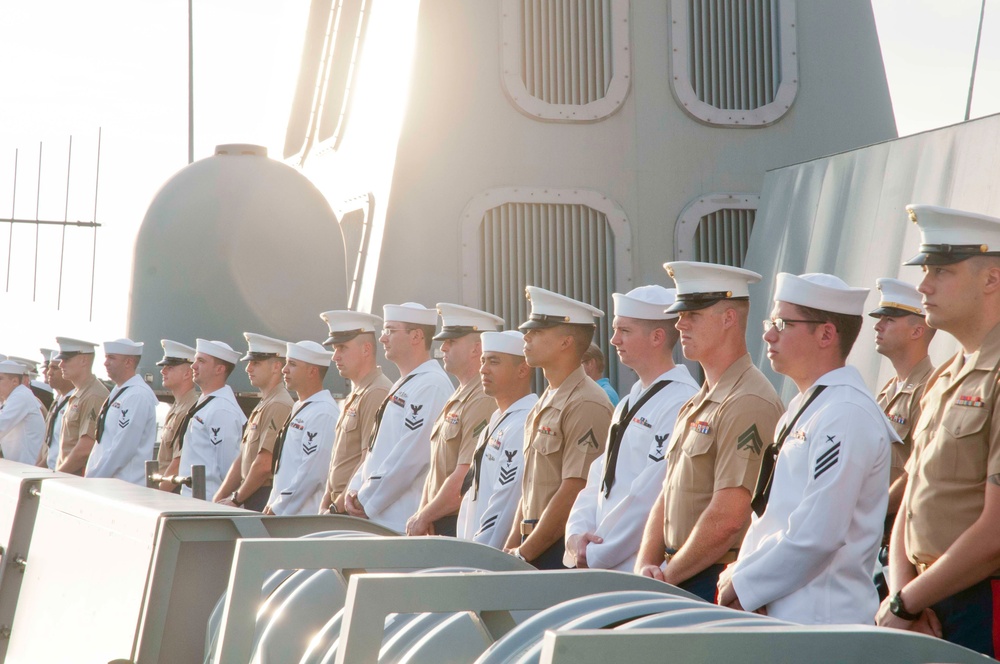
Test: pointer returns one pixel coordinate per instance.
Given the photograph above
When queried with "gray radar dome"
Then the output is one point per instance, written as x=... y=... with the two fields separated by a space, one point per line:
x=235 y=243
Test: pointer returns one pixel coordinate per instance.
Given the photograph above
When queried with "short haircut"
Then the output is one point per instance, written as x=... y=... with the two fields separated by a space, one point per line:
x=582 y=335
x=428 y=331
x=594 y=353
x=322 y=371
x=228 y=365
x=848 y=327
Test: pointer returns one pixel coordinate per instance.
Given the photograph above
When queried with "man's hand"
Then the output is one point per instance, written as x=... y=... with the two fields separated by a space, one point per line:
x=726 y=591
x=227 y=501
x=651 y=571
x=886 y=618
x=354 y=506
x=417 y=525
x=577 y=545
x=267 y=511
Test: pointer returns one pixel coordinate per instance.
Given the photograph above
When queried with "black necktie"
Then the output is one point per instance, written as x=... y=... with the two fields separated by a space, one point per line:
x=762 y=491
x=187 y=420
x=381 y=411
x=279 y=442
x=104 y=411
x=50 y=430
x=472 y=477
x=617 y=433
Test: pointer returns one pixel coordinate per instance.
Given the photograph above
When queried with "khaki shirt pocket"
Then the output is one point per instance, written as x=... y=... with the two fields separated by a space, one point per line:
x=348 y=422
x=697 y=463
x=451 y=431
x=963 y=445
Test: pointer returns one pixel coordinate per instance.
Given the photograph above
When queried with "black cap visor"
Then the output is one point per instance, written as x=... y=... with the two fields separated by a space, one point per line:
x=252 y=355
x=948 y=254
x=342 y=336
x=542 y=322
x=893 y=312
x=455 y=332
x=172 y=362
x=696 y=301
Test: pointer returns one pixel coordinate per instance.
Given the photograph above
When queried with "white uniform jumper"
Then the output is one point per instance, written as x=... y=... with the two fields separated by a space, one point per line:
x=127 y=436
x=490 y=504
x=22 y=427
x=302 y=462
x=809 y=557
x=391 y=479
x=620 y=517
x=212 y=438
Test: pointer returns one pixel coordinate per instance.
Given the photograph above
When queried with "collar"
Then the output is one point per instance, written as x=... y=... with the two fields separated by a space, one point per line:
x=323 y=396
x=366 y=381
x=526 y=402
x=730 y=377
x=918 y=374
x=278 y=391
x=846 y=376
x=131 y=382
x=225 y=392
x=679 y=374
x=559 y=396
x=466 y=392
x=89 y=385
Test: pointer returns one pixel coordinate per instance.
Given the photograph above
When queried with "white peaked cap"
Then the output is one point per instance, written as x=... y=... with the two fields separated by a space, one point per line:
x=175 y=352
x=645 y=303
x=508 y=341
x=123 y=347
x=217 y=349
x=31 y=366
x=549 y=309
x=263 y=348
x=458 y=321
x=12 y=367
x=700 y=285
x=897 y=298
x=344 y=325
x=309 y=352
x=410 y=312
x=72 y=347
x=949 y=236
x=821 y=291
x=48 y=354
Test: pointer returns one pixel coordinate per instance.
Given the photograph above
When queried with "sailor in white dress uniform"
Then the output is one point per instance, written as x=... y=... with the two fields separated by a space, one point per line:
x=21 y=425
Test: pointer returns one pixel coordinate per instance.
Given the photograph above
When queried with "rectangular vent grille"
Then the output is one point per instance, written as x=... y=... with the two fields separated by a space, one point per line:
x=723 y=236
x=735 y=57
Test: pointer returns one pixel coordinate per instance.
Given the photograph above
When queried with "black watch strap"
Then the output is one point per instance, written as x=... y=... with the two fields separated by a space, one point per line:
x=898 y=609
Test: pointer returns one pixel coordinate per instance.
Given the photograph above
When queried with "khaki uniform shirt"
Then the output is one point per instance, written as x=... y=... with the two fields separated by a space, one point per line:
x=261 y=430
x=169 y=435
x=564 y=432
x=455 y=433
x=902 y=407
x=354 y=427
x=956 y=446
x=718 y=440
x=80 y=418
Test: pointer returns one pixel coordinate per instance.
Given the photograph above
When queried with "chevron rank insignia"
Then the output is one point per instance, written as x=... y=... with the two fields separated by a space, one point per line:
x=588 y=440
x=750 y=441
x=507 y=475
x=414 y=421
x=308 y=447
x=657 y=454
x=479 y=429
x=215 y=439
x=827 y=459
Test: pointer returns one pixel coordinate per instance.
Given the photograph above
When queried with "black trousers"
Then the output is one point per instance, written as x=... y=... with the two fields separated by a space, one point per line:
x=971 y=618
x=447 y=526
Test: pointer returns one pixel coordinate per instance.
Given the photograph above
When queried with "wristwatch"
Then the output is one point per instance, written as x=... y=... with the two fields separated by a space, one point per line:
x=898 y=609
x=235 y=498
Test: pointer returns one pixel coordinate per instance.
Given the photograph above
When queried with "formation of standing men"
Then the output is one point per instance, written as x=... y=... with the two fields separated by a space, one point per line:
x=716 y=488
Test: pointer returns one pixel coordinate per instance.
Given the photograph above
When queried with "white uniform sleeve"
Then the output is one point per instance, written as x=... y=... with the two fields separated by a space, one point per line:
x=583 y=517
x=840 y=457
x=310 y=476
x=13 y=412
x=122 y=437
x=501 y=507
x=412 y=453
x=225 y=432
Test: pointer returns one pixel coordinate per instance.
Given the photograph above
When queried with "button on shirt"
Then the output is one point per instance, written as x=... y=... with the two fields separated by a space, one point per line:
x=22 y=427
x=354 y=427
x=391 y=478
x=128 y=434
x=80 y=417
x=565 y=431
x=305 y=456
x=489 y=506
x=809 y=558
x=170 y=437
x=717 y=444
x=620 y=517
x=901 y=404
x=455 y=432
x=956 y=446
x=212 y=439
x=266 y=420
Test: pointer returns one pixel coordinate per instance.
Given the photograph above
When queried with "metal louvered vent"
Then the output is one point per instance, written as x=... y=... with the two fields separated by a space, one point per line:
x=566 y=60
x=723 y=237
x=565 y=248
x=734 y=62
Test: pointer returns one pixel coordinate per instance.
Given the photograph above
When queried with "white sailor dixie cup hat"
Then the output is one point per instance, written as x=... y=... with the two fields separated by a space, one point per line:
x=344 y=325
x=510 y=342
x=12 y=367
x=72 y=347
x=309 y=352
x=897 y=298
x=30 y=366
x=260 y=347
x=458 y=321
x=123 y=347
x=825 y=292
x=646 y=303
x=549 y=309
x=950 y=236
x=175 y=353
x=410 y=312
x=220 y=350
x=700 y=285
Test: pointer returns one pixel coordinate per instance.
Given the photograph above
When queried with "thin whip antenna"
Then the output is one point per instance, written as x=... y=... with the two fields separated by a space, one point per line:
x=62 y=244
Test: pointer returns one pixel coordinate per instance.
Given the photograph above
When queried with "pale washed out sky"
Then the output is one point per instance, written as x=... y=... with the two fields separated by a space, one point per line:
x=68 y=67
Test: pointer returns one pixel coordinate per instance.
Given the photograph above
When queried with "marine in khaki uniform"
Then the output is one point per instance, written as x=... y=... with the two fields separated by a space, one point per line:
x=944 y=556
x=457 y=427
x=248 y=482
x=352 y=338
x=564 y=432
x=696 y=526
x=902 y=336
x=175 y=368
x=79 y=424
